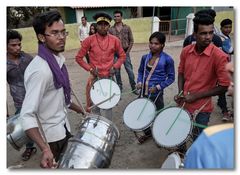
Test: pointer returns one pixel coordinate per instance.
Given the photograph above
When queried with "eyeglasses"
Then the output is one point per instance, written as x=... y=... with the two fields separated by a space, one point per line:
x=57 y=34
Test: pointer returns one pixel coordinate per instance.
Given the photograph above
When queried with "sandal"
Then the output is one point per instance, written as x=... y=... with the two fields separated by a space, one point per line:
x=142 y=139
x=28 y=153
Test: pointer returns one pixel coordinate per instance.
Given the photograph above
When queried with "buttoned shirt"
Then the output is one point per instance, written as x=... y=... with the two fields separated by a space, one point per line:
x=125 y=35
x=101 y=53
x=15 y=78
x=201 y=73
x=83 y=31
x=44 y=101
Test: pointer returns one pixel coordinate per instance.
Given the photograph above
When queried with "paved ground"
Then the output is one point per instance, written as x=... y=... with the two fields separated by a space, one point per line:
x=128 y=154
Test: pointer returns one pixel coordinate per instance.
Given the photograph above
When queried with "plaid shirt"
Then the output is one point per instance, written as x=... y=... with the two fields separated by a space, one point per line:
x=125 y=36
x=15 y=78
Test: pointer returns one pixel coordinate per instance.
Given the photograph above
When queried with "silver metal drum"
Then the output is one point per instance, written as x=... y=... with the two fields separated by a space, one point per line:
x=15 y=134
x=92 y=146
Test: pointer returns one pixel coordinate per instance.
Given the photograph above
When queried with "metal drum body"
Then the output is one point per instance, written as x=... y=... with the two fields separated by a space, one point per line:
x=139 y=114
x=92 y=146
x=173 y=161
x=103 y=89
x=169 y=131
x=16 y=136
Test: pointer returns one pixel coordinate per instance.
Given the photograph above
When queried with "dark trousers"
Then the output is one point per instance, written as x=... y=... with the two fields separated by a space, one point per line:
x=59 y=147
x=222 y=102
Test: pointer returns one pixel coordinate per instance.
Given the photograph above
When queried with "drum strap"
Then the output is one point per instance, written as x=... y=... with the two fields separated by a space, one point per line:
x=149 y=75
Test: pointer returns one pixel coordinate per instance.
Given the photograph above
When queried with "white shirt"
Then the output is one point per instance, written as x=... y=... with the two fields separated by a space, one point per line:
x=44 y=101
x=83 y=31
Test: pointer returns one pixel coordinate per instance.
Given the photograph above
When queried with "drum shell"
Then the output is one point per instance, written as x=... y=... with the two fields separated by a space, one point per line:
x=91 y=147
x=16 y=136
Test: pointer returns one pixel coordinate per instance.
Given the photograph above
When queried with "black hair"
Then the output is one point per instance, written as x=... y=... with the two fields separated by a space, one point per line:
x=118 y=11
x=95 y=28
x=226 y=22
x=210 y=12
x=13 y=34
x=45 y=19
x=84 y=17
x=160 y=37
x=202 y=19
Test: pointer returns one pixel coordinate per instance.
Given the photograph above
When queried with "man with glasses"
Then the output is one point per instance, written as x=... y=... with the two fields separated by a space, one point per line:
x=101 y=47
x=124 y=33
x=48 y=90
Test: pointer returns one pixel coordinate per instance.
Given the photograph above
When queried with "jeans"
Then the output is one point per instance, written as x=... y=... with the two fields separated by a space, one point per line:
x=129 y=69
x=159 y=105
x=202 y=119
x=30 y=144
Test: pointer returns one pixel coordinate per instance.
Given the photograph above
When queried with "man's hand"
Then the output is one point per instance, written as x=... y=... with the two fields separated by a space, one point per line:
x=93 y=72
x=139 y=85
x=152 y=90
x=48 y=159
x=112 y=71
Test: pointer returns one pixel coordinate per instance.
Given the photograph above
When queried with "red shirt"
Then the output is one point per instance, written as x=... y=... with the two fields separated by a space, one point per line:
x=101 y=53
x=202 y=72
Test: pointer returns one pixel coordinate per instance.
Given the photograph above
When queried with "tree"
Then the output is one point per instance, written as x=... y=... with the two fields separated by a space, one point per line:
x=22 y=16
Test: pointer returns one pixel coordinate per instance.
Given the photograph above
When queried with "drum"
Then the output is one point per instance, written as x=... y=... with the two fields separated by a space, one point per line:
x=92 y=146
x=172 y=127
x=15 y=134
x=173 y=161
x=103 y=89
x=139 y=114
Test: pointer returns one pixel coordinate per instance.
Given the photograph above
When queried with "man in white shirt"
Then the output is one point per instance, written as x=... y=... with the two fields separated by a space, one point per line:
x=83 y=29
x=48 y=90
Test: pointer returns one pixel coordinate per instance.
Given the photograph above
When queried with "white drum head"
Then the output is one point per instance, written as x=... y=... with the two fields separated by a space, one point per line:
x=179 y=132
x=139 y=114
x=173 y=161
x=102 y=90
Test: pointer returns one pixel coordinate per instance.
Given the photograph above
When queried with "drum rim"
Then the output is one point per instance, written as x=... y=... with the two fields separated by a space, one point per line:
x=103 y=119
x=140 y=129
x=181 y=143
x=100 y=79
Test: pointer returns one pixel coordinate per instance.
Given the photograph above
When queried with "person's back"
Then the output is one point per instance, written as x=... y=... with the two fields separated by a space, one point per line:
x=214 y=148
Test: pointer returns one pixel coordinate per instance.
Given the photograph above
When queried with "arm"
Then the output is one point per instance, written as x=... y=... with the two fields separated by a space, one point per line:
x=121 y=54
x=141 y=71
x=47 y=156
x=170 y=71
x=81 y=54
x=35 y=84
x=76 y=108
x=131 y=40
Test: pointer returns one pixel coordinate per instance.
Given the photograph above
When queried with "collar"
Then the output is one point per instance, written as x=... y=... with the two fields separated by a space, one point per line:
x=207 y=51
x=60 y=59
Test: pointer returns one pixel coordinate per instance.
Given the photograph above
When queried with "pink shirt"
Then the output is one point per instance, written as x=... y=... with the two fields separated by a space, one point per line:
x=101 y=53
x=202 y=72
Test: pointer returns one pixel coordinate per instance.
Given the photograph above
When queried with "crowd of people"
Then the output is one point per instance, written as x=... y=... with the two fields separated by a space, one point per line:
x=41 y=90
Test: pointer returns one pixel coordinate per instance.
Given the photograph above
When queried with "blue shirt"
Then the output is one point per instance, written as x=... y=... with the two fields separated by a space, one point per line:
x=163 y=75
x=214 y=148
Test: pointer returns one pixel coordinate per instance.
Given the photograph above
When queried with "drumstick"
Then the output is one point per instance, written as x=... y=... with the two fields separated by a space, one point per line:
x=110 y=89
x=101 y=102
x=144 y=106
x=175 y=119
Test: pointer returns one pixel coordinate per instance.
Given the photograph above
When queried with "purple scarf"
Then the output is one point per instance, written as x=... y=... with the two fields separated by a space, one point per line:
x=60 y=75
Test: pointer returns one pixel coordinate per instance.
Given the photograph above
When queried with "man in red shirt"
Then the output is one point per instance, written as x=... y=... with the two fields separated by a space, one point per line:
x=101 y=47
x=201 y=66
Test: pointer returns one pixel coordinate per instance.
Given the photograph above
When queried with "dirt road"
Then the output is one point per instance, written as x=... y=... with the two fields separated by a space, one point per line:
x=128 y=154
